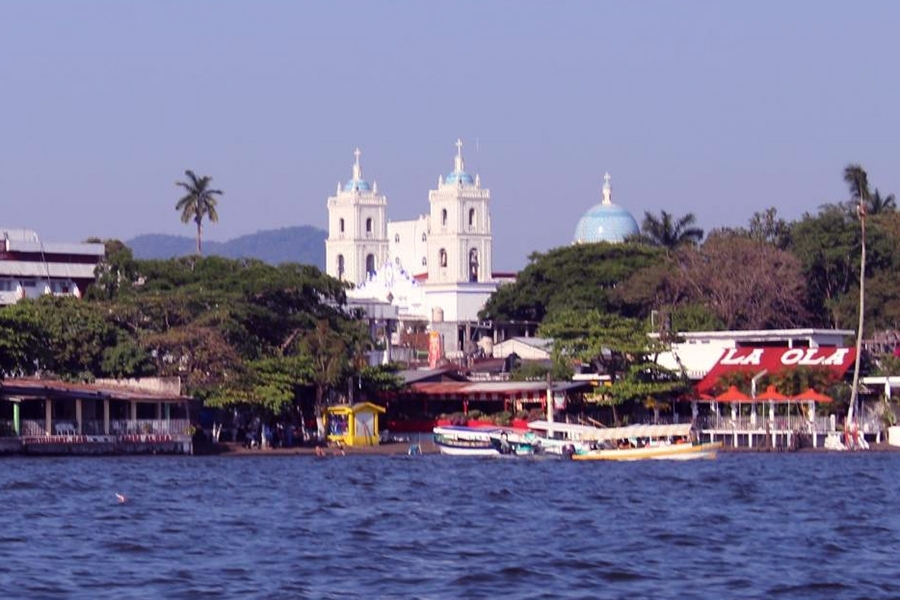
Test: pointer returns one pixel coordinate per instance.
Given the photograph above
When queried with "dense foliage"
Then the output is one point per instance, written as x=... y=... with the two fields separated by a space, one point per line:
x=770 y=274
x=242 y=331
x=235 y=331
x=598 y=300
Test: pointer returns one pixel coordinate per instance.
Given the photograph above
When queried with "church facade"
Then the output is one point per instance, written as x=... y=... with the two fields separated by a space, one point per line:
x=436 y=267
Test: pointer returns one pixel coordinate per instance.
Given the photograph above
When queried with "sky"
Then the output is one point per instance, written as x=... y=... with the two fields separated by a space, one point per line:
x=719 y=109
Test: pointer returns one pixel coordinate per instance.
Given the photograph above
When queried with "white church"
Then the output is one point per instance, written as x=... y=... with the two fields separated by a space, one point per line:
x=435 y=268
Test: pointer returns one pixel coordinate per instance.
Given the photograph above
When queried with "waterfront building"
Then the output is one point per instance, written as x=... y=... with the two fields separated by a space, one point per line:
x=757 y=417
x=30 y=267
x=48 y=416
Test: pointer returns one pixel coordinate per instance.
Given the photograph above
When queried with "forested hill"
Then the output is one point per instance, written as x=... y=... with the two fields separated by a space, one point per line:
x=304 y=244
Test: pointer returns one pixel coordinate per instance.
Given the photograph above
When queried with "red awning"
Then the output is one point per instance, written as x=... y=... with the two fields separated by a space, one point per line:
x=774 y=360
x=733 y=394
x=813 y=395
x=770 y=394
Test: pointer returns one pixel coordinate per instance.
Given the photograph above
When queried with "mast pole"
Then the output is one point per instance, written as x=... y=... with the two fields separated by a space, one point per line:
x=854 y=392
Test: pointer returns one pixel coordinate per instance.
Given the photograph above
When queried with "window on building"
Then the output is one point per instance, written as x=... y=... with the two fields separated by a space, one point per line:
x=424 y=261
x=442 y=255
x=370 y=264
x=341 y=225
x=369 y=225
x=340 y=265
x=471 y=217
x=424 y=237
x=443 y=216
x=397 y=238
x=473 y=265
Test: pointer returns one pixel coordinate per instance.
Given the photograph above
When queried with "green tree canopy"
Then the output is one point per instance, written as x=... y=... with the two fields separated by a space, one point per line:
x=615 y=346
x=582 y=276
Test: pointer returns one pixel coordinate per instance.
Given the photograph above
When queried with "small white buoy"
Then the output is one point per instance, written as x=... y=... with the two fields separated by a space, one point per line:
x=121 y=498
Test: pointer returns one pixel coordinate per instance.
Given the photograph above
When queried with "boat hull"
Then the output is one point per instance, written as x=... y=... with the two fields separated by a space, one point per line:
x=662 y=452
x=464 y=441
x=451 y=450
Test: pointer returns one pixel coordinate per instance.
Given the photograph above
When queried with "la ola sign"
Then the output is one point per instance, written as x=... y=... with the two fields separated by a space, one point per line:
x=773 y=360
x=807 y=357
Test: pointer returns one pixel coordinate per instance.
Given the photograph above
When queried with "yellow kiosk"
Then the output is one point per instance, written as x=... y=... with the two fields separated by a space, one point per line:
x=355 y=425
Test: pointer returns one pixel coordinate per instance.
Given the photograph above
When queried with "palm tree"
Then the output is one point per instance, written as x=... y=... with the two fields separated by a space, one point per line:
x=878 y=205
x=858 y=181
x=199 y=202
x=669 y=233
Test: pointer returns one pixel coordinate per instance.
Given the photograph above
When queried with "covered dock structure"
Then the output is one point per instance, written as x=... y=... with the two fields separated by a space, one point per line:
x=49 y=416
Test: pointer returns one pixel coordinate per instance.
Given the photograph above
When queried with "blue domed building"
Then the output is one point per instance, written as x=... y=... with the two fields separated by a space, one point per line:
x=605 y=222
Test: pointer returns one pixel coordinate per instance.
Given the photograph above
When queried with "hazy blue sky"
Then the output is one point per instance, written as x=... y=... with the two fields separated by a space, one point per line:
x=716 y=108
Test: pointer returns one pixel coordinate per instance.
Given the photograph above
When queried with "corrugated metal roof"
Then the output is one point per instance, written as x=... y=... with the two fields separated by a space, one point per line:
x=40 y=388
x=418 y=375
x=489 y=390
x=22 y=268
x=16 y=245
x=507 y=386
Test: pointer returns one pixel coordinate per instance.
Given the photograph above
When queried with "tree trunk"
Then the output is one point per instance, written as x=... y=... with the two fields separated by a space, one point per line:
x=199 y=244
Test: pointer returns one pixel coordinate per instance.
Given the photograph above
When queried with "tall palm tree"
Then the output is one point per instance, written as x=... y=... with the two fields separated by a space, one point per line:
x=198 y=202
x=858 y=181
x=669 y=233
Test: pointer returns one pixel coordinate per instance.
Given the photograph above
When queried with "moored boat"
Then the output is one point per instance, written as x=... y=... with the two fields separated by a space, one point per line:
x=457 y=440
x=654 y=451
x=636 y=442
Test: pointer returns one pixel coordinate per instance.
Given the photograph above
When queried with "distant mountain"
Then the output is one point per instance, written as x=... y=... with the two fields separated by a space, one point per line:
x=303 y=244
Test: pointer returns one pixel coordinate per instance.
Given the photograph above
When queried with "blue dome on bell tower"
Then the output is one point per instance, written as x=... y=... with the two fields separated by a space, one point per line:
x=459 y=175
x=356 y=183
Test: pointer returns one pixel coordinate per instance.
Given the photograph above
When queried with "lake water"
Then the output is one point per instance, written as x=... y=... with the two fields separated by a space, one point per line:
x=742 y=526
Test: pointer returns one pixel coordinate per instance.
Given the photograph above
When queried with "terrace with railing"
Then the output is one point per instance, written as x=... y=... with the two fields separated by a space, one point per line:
x=118 y=427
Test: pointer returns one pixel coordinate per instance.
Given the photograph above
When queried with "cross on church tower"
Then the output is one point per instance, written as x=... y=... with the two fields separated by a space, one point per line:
x=459 y=158
x=357 y=171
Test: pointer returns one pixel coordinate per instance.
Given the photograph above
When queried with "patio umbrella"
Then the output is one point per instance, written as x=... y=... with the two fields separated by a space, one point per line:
x=733 y=394
x=812 y=394
x=772 y=394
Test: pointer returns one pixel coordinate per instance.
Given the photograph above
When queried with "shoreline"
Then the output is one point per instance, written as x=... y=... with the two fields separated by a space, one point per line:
x=428 y=447
x=390 y=449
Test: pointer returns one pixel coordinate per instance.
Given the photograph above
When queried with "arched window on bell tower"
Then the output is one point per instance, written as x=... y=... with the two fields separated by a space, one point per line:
x=369 y=227
x=370 y=264
x=444 y=217
x=472 y=219
x=340 y=266
x=473 y=265
x=341 y=225
x=442 y=255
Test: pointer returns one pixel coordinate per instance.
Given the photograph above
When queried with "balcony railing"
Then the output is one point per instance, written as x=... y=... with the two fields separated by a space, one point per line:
x=761 y=423
x=38 y=427
x=148 y=426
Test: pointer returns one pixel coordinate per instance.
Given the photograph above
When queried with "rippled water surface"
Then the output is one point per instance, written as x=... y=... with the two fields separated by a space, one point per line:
x=742 y=526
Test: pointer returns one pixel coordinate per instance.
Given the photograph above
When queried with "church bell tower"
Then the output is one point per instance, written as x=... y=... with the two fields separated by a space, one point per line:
x=357 y=242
